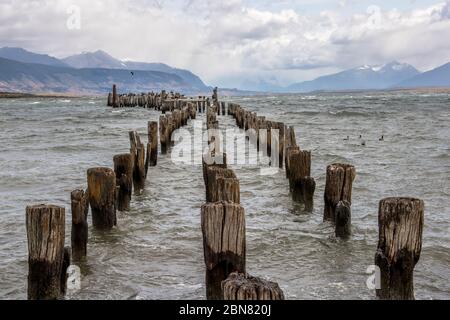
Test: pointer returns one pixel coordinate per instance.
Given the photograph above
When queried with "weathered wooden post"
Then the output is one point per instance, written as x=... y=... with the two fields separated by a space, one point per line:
x=115 y=101
x=79 y=236
x=301 y=183
x=338 y=187
x=281 y=143
x=400 y=222
x=153 y=141
x=65 y=266
x=239 y=286
x=343 y=219
x=163 y=133
x=123 y=168
x=45 y=232
x=110 y=100
x=228 y=190
x=137 y=151
x=221 y=184
x=102 y=190
x=289 y=150
x=223 y=108
x=223 y=227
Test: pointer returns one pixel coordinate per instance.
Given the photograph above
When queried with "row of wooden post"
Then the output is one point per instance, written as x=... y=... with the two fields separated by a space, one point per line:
x=398 y=251
x=169 y=122
x=162 y=101
x=108 y=190
x=223 y=219
x=224 y=235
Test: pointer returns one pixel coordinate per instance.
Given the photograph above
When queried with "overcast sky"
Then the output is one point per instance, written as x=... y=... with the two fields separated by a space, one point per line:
x=233 y=42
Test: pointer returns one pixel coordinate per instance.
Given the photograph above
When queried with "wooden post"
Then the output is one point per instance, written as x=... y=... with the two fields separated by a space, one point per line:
x=239 y=286
x=79 y=237
x=102 y=189
x=139 y=172
x=123 y=168
x=153 y=140
x=163 y=133
x=301 y=183
x=65 y=266
x=45 y=232
x=343 y=219
x=114 y=97
x=212 y=187
x=308 y=188
x=281 y=143
x=338 y=187
x=223 y=227
x=110 y=100
x=400 y=222
x=289 y=150
x=227 y=190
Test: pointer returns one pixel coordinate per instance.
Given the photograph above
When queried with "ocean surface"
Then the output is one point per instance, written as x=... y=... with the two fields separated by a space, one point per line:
x=156 y=251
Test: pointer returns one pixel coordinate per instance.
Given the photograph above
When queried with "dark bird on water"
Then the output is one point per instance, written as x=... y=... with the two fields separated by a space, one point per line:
x=346 y=139
x=382 y=138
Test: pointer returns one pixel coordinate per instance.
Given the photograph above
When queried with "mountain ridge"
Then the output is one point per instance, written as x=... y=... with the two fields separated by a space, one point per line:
x=437 y=77
x=101 y=59
x=25 y=56
x=359 y=78
x=17 y=76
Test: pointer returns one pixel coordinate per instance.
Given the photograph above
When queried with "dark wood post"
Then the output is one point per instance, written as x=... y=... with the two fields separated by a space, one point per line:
x=137 y=151
x=79 y=237
x=339 y=182
x=343 y=219
x=301 y=183
x=400 y=222
x=123 y=168
x=102 y=196
x=115 y=102
x=153 y=140
x=308 y=185
x=45 y=232
x=212 y=188
x=281 y=143
x=289 y=150
x=163 y=124
x=228 y=190
x=223 y=227
x=239 y=286
x=65 y=266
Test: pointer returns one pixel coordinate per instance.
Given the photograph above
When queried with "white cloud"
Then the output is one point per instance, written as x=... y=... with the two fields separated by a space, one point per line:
x=227 y=42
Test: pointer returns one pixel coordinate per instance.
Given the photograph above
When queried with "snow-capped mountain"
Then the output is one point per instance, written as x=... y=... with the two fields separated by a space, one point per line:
x=360 y=78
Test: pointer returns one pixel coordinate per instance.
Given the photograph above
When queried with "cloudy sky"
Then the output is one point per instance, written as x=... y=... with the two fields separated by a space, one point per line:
x=236 y=43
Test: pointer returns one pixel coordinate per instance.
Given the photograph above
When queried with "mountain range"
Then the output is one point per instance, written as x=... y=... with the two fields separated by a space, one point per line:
x=95 y=72
x=89 y=73
x=360 y=78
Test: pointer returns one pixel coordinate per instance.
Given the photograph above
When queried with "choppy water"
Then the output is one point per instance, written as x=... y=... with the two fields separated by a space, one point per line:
x=156 y=252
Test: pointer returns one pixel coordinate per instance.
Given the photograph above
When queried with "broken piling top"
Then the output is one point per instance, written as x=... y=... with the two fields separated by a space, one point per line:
x=240 y=286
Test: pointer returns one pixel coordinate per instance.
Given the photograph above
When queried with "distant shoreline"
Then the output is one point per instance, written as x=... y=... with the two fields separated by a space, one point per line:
x=18 y=95
x=226 y=93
